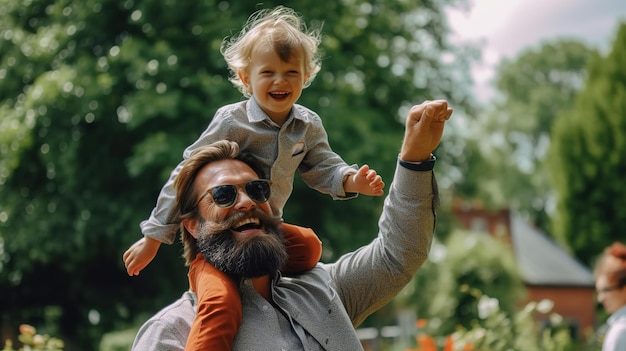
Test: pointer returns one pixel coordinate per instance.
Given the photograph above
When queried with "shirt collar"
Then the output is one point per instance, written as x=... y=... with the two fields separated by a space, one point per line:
x=256 y=114
x=619 y=314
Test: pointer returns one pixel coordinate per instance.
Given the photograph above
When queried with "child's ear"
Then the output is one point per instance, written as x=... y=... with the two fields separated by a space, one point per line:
x=192 y=226
x=244 y=77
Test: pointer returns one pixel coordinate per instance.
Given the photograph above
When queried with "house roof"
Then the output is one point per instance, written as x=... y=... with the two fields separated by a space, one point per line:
x=542 y=261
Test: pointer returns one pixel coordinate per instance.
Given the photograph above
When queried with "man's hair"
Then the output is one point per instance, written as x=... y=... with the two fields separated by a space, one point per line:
x=281 y=29
x=612 y=262
x=187 y=196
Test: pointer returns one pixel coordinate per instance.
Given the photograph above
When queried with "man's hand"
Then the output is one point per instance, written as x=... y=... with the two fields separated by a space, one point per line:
x=365 y=182
x=424 y=128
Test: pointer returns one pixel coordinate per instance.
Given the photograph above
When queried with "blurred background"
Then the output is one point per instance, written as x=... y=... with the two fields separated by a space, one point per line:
x=98 y=99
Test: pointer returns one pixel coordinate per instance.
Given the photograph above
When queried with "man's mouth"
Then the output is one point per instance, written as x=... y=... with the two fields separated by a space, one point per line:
x=247 y=224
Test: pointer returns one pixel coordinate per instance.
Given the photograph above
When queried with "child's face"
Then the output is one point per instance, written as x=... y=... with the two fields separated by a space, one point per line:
x=275 y=84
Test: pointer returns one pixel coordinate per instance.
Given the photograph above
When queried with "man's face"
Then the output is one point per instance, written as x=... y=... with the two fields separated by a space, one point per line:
x=612 y=296
x=243 y=240
x=232 y=172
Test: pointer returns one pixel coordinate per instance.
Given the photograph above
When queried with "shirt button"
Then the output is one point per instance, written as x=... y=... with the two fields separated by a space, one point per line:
x=265 y=308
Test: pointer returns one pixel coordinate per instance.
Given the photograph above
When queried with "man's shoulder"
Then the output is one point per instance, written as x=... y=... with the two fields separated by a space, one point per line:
x=318 y=275
x=181 y=309
x=170 y=326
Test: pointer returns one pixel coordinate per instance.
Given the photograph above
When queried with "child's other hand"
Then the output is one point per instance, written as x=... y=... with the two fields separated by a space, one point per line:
x=140 y=254
x=365 y=182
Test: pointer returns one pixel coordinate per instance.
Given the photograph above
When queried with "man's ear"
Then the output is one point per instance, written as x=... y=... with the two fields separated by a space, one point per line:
x=191 y=224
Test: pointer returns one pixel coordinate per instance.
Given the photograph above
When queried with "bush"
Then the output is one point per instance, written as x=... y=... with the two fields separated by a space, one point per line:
x=118 y=341
x=34 y=342
x=494 y=330
x=468 y=297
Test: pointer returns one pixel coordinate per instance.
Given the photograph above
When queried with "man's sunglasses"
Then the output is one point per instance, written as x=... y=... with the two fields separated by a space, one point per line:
x=226 y=195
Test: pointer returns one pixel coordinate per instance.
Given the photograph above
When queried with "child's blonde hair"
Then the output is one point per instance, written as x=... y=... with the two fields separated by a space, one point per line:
x=280 y=28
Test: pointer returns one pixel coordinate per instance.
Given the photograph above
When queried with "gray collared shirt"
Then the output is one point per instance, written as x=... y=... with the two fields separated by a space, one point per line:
x=301 y=144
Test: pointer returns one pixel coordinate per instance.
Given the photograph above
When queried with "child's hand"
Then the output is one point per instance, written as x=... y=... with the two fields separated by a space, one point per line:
x=365 y=182
x=140 y=254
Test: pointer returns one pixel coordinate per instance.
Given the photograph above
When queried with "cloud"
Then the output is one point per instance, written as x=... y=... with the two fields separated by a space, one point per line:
x=534 y=21
x=506 y=27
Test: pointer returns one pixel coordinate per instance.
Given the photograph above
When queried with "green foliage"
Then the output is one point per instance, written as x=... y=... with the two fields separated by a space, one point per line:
x=32 y=341
x=118 y=341
x=468 y=297
x=587 y=158
x=451 y=284
x=512 y=139
x=99 y=98
x=499 y=331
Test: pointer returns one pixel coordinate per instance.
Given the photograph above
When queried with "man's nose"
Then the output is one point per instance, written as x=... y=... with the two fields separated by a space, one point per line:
x=244 y=202
x=600 y=296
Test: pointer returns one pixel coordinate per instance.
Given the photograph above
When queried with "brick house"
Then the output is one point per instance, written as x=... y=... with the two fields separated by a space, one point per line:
x=548 y=271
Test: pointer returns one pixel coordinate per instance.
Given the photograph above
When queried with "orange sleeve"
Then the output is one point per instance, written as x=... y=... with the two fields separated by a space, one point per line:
x=219 y=312
x=303 y=247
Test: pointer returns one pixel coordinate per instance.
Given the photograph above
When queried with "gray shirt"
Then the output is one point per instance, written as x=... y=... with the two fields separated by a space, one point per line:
x=301 y=144
x=319 y=309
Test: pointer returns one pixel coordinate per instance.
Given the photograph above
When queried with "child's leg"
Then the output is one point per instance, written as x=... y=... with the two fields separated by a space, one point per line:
x=303 y=247
x=219 y=312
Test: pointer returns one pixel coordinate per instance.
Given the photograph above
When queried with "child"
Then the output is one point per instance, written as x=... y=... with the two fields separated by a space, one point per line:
x=272 y=59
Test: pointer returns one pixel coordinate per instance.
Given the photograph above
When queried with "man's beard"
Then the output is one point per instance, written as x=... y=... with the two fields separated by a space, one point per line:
x=247 y=257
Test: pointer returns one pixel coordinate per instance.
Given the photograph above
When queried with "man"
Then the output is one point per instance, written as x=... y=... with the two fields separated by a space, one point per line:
x=610 y=279
x=226 y=221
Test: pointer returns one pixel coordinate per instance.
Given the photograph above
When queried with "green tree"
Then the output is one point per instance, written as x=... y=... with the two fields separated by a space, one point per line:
x=512 y=140
x=586 y=158
x=98 y=98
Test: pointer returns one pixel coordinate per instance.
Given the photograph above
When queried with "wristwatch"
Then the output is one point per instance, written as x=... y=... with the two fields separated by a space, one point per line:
x=427 y=165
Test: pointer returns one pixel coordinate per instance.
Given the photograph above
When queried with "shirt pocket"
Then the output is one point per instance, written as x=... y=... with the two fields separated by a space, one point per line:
x=298 y=149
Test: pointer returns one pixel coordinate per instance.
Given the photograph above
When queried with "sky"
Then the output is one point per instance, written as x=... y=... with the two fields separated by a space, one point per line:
x=507 y=27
